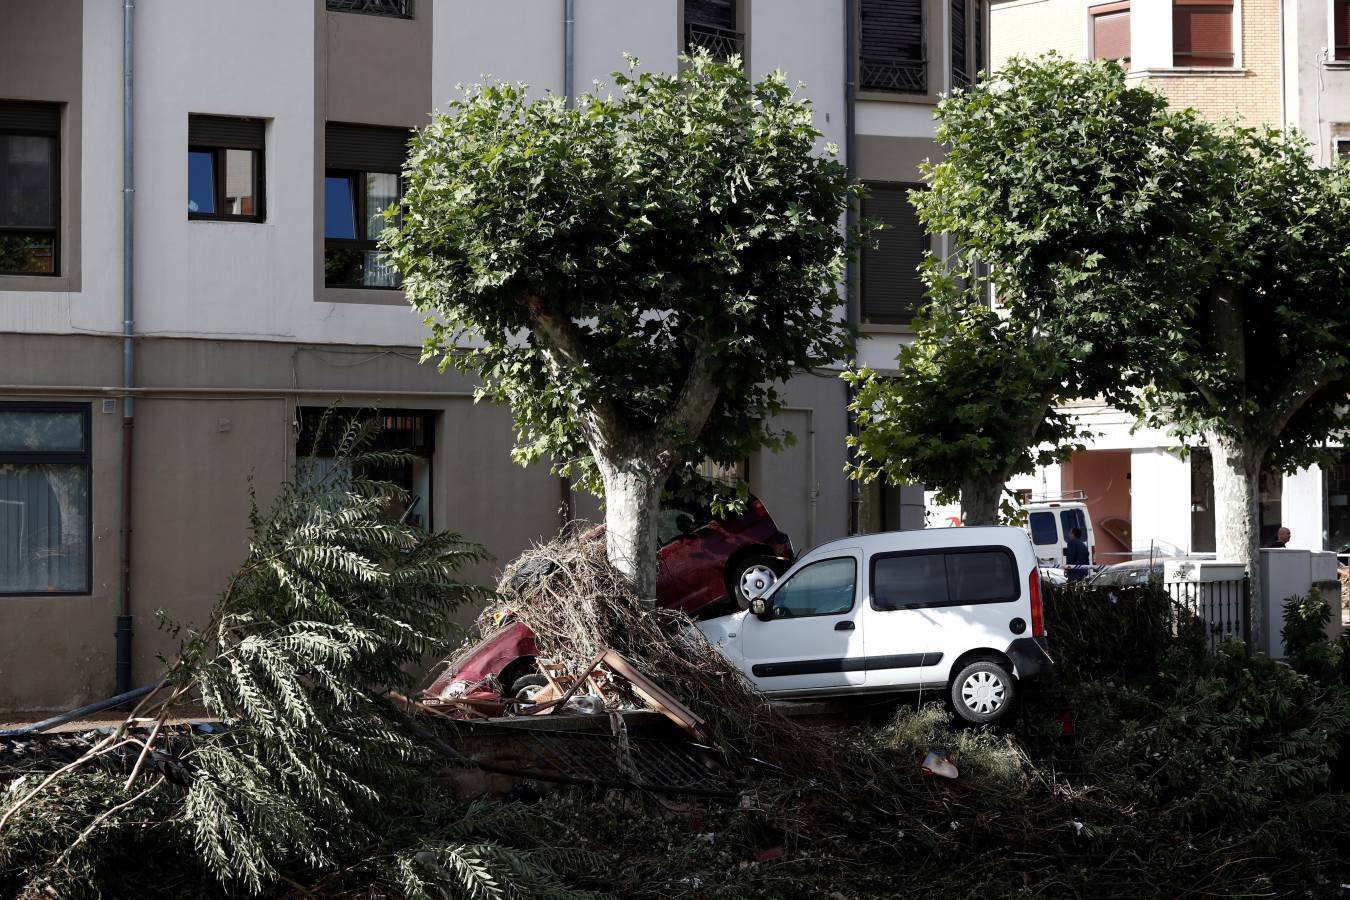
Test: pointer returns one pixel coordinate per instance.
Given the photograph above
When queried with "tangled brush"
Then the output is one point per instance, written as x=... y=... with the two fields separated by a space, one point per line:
x=578 y=605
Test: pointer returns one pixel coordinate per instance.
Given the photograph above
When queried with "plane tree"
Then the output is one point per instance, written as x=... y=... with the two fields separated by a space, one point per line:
x=635 y=276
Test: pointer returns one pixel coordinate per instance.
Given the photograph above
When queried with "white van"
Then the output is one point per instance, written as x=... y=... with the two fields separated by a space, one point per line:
x=1049 y=523
x=953 y=610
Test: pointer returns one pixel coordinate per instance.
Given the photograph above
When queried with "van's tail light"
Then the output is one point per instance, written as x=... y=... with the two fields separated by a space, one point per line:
x=1037 y=611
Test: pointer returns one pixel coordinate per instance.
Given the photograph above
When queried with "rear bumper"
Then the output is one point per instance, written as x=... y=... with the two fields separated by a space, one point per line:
x=1030 y=656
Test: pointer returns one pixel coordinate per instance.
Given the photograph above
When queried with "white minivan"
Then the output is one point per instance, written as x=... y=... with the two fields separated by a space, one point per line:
x=956 y=611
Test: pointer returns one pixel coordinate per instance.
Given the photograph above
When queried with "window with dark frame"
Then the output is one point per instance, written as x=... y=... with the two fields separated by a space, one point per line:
x=712 y=25
x=30 y=188
x=392 y=9
x=44 y=498
x=1111 y=31
x=960 y=56
x=226 y=168
x=1202 y=34
x=409 y=431
x=1340 y=27
x=891 y=288
x=892 y=47
x=961 y=577
x=361 y=181
x=1343 y=148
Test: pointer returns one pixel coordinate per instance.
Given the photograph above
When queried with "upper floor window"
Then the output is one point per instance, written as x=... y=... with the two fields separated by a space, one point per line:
x=361 y=181
x=892 y=48
x=712 y=25
x=963 y=73
x=225 y=168
x=892 y=290
x=397 y=9
x=1111 y=31
x=1202 y=33
x=30 y=183
x=44 y=498
x=1341 y=29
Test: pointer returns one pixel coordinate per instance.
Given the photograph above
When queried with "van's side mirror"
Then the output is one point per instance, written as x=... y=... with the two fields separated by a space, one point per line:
x=759 y=608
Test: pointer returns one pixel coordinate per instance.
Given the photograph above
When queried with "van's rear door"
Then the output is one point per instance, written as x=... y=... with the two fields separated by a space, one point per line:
x=1046 y=539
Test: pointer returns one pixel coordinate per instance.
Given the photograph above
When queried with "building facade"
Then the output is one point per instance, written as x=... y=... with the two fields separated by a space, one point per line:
x=1279 y=63
x=262 y=138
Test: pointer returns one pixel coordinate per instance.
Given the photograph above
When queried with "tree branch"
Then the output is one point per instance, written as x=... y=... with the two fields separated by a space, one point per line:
x=698 y=394
x=1292 y=395
x=564 y=349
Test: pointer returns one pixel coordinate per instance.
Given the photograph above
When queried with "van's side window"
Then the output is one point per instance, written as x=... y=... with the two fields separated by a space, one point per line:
x=825 y=588
x=955 y=578
x=1073 y=518
x=1043 y=529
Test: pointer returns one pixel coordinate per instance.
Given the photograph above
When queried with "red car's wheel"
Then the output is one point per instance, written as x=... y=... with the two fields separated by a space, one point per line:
x=753 y=573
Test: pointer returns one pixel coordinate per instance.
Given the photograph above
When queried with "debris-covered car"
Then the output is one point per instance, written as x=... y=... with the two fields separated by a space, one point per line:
x=708 y=564
x=956 y=611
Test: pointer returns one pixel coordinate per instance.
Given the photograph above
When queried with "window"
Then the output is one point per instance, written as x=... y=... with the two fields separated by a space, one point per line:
x=225 y=168
x=1336 y=484
x=892 y=290
x=1071 y=519
x=960 y=57
x=396 y=9
x=1340 y=27
x=824 y=588
x=711 y=25
x=1111 y=32
x=1043 y=528
x=44 y=498
x=30 y=181
x=1343 y=149
x=951 y=578
x=891 y=47
x=412 y=432
x=1202 y=33
x=361 y=181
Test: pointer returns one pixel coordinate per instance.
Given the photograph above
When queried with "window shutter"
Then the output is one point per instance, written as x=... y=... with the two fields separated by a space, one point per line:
x=891 y=46
x=713 y=13
x=1202 y=34
x=226 y=131
x=891 y=288
x=31 y=118
x=1111 y=32
x=960 y=56
x=366 y=148
x=1341 y=38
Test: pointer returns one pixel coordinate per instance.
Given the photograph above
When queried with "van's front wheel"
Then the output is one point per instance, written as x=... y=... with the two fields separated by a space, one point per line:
x=982 y=692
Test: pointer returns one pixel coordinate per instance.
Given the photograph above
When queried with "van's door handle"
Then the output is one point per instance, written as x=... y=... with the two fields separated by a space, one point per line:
x=846 y=625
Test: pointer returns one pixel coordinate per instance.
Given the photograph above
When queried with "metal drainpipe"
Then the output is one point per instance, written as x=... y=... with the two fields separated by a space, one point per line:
x=124 y=628
x=852 y=312
x=567 y=501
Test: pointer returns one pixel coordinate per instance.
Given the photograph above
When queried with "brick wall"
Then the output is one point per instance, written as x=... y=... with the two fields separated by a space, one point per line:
x=1253 y=96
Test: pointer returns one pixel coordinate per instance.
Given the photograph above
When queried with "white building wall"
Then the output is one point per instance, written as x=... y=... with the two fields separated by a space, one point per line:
x=1301 y=507
x=467 y=46
x=1160 y=500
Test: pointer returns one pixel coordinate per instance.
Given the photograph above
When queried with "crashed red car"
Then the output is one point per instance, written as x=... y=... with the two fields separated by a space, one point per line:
x=707 y=564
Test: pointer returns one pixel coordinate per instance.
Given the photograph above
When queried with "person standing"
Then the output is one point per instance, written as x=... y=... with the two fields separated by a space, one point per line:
x=1077 y=557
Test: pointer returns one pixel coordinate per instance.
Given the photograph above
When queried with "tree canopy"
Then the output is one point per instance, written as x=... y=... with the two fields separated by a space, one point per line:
x=635 y=276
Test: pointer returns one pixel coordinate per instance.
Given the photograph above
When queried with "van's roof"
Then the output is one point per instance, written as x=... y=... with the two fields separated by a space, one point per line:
x=919 y=538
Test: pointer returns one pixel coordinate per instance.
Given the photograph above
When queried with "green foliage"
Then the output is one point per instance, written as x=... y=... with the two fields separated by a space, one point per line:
x=1105 y=632
x=313 y=775
x=973 y=397
x=597 y=264
x=1305 y=639
x=980 y=754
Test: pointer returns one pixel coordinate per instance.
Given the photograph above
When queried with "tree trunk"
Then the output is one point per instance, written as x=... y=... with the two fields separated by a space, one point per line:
x=979 y=499
x=632 y=508
x=1237 y=533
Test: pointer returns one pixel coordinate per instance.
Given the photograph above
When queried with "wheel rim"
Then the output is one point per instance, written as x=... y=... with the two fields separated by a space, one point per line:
x=757 y=578
x=983 y=692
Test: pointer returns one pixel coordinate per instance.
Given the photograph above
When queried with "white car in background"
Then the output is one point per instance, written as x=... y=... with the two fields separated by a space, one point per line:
x=956 y=611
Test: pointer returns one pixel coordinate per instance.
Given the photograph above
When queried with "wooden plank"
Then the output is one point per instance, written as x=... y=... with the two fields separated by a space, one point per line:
x=660 y=699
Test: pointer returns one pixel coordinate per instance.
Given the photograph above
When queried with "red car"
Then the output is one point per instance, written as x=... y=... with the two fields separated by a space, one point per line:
x=706 y=565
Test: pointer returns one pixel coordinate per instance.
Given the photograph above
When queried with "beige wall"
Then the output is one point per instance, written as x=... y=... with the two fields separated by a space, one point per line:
x=1033 y=27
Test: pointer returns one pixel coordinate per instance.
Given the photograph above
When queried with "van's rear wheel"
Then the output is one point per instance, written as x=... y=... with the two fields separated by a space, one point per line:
x=982 y=692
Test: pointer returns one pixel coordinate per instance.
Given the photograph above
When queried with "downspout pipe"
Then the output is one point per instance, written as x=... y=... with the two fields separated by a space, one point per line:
x=852 y=309
x=124 y=626
x=567 y=501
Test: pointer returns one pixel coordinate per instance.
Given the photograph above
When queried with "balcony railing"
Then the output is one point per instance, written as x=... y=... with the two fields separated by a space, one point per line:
x=721 y=43
x=901 y=76
x=395 y=9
